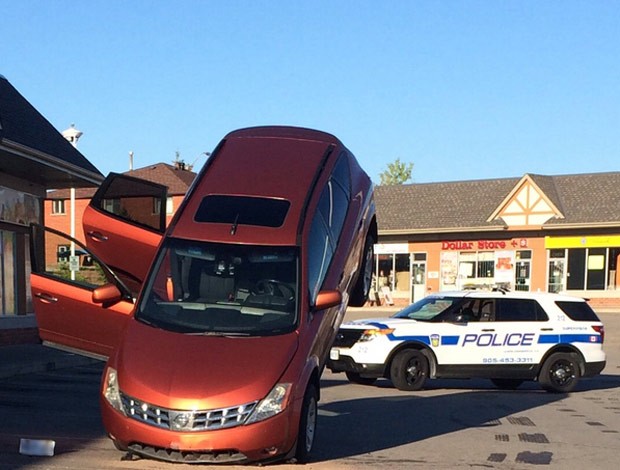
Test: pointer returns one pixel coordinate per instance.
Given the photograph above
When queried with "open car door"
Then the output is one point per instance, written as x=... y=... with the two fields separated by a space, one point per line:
x=124 y=224
x=80 y=304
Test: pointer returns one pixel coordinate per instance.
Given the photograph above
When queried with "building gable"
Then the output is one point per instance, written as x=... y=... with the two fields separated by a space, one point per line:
x=527 y=205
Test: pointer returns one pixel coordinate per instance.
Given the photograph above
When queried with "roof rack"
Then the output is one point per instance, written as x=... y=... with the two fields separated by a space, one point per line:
x=502 y=289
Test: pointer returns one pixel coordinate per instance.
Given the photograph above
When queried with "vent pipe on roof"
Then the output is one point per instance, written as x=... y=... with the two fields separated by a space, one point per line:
x=72 y=135
x=130 y=160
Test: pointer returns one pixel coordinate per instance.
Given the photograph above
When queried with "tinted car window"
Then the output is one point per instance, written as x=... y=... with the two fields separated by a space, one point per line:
x=134 y=200
x=341 y=175
x=319 y=254
x=519 y=310
x=578 y=311
x=243 y=210
x=59 y=256
x=327 y=224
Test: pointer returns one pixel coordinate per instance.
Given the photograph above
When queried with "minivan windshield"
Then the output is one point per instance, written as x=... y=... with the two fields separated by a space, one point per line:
x=222 y=289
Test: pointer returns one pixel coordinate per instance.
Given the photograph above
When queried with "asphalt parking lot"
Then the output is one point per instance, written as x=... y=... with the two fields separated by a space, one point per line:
x=451 y=424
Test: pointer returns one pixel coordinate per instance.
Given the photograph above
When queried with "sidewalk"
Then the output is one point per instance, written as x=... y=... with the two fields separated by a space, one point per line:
x=23 y=359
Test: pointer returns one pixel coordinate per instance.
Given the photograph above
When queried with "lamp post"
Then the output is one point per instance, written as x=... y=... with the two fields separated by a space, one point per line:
x=72 y=135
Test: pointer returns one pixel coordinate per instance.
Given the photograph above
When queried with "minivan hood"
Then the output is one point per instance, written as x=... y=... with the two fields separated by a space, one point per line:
x=178 y=371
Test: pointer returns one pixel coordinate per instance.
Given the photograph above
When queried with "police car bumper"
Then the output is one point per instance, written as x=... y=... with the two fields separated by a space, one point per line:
x=593 y=368
x=347 y=364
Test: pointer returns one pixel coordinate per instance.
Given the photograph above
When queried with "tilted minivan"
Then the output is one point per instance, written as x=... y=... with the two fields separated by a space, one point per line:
x=217 y=328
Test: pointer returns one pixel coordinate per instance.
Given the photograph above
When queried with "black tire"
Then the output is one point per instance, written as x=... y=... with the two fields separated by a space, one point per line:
x=358 y=379
x=359 y=293
x=409 y=370
x=307 y=424
x=507 y=384
x=560 y=373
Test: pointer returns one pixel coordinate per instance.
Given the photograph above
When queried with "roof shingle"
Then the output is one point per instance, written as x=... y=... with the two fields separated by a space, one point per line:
x=583 y=199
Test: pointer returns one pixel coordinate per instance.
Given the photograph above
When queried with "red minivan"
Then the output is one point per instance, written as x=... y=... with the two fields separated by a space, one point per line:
x=216 y=330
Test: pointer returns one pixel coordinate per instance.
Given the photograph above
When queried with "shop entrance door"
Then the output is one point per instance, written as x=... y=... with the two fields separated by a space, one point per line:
x=522 y=270
x=522 y=275
x=557 y=263
x=418 y=276
x=576 y=274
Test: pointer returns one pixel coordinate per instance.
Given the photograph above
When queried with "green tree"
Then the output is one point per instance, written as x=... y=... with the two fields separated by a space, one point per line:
x=397 y=173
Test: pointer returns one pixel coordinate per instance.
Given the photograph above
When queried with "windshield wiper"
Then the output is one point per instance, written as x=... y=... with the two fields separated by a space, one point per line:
x=217 y=333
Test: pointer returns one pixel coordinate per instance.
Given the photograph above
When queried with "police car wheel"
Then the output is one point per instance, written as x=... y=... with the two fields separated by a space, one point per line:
x=560 y=373
x=358 y=379
x=507 y=384
x=409 y=370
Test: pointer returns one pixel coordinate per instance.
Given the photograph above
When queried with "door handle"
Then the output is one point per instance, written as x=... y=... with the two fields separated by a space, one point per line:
x=488 y=329
x=97 y=236
x=46 y=298
x=546 y=329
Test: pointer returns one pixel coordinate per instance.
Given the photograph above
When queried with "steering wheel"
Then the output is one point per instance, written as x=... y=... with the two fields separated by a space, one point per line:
x=273 y=287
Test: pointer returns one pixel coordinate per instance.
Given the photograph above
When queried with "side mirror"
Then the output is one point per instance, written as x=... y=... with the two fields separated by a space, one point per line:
x=327 y=298
x=106 y=295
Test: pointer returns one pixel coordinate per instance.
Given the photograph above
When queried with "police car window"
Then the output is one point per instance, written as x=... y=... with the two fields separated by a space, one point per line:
x=519 y=310
x=428 y=308
x=578 y=311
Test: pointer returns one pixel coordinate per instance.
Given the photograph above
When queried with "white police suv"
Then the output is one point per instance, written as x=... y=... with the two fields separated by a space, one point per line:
x=504 y=336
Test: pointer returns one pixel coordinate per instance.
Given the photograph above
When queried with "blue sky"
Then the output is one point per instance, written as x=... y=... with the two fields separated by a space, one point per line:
x=462 y=89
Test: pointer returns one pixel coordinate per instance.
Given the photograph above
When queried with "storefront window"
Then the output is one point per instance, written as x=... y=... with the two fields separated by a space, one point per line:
x=393 y=270
x=476 y=269
x=595 y=275
x=587 y=269
x=613 y=282
x=486 y=262
x=402 y=277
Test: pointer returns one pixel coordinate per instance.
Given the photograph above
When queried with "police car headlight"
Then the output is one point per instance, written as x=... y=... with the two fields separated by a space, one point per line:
x=369 y=335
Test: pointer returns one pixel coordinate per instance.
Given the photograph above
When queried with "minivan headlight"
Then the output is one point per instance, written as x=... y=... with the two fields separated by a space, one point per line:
x=111 y=391
x=275 y=402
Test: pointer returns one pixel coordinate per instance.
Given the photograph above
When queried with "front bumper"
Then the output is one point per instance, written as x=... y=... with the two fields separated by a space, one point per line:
x=266 y=440
x=347 y=364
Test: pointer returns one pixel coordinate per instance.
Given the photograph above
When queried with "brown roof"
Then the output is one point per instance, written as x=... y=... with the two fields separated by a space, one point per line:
x=584 y=199
x=176 y=180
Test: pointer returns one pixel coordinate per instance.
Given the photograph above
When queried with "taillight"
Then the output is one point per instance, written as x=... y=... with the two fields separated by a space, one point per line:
x=600 y=330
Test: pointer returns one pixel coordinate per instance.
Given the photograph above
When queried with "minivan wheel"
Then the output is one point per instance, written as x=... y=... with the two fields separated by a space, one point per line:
x=560 y=373
x=307 y=424
x=409 y=370
x=359 y=293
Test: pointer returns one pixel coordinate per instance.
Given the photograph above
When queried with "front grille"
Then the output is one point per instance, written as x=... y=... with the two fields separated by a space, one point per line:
x=180 y=420
x=347 y=338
